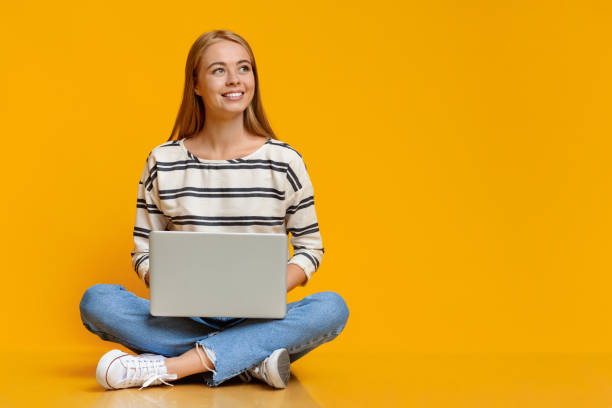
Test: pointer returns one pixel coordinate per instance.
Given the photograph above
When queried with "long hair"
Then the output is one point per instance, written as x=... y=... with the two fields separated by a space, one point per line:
x=191 y=114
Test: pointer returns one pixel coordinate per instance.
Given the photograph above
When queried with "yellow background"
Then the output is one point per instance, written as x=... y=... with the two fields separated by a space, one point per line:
x=458 y=152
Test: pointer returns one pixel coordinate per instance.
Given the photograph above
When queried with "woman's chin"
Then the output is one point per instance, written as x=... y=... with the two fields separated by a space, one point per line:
x=228 y=112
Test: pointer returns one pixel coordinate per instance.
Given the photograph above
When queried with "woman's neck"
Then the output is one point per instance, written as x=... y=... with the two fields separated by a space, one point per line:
x=222 y=135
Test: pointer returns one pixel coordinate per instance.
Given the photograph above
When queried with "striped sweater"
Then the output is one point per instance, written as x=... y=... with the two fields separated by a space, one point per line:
x=267 y=191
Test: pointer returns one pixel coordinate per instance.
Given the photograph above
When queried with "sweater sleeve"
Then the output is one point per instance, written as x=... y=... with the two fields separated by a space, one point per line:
x=148 y=217
x=301 y=220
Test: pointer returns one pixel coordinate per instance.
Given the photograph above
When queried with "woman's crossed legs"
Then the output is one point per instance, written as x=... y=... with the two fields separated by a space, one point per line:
x=117 y=315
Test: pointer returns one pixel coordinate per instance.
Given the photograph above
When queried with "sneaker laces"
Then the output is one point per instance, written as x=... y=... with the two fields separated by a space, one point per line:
x=146 y=372
x=245 y=376
x=258 y=371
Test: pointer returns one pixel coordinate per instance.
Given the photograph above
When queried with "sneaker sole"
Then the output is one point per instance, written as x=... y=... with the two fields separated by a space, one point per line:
x=103 y=365
x=280 y=376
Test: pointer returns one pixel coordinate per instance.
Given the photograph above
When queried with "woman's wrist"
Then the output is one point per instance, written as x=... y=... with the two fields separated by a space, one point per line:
x=295 y=276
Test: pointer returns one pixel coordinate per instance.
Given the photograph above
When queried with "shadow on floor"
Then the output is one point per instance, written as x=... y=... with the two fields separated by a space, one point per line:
x=190 y=391
x=65 y=379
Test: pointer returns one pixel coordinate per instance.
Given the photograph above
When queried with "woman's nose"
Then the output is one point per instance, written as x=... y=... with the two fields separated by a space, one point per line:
x=232 y=77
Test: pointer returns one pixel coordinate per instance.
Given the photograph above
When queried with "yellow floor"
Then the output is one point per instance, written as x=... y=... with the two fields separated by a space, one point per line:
x=524 y=380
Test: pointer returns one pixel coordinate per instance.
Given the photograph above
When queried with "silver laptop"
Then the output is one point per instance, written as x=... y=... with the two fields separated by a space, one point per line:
x=205 y=274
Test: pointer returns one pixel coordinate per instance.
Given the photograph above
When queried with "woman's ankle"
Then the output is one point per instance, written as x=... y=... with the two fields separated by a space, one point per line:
x=188 y=363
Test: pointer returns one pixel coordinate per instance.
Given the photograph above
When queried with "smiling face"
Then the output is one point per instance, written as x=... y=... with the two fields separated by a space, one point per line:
x=225 y=80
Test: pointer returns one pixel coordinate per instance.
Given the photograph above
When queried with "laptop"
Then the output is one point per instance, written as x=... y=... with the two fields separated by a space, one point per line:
x=206 y=274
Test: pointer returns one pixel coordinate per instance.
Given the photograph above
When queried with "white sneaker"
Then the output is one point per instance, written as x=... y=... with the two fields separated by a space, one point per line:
x=117 y=369
x=274 y=370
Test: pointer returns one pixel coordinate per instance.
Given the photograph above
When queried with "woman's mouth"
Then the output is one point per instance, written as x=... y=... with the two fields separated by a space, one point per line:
x=233 y=96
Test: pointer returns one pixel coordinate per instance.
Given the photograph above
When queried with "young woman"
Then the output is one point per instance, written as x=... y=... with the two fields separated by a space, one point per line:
x=226 y=171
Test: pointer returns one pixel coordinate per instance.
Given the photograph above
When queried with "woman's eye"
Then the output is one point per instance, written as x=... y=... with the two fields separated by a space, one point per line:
x=247 y=68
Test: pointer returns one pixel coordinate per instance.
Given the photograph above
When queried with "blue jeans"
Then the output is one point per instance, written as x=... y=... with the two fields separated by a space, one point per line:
x=232 y=345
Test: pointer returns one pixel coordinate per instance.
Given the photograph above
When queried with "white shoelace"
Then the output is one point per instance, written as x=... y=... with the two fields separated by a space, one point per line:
x=245 y=376
x=146 y=371
x=260 y=370
x=257 y=371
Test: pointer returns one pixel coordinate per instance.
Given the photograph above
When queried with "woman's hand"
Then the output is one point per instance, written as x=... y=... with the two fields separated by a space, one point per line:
x=295 y=276
x=147 y=279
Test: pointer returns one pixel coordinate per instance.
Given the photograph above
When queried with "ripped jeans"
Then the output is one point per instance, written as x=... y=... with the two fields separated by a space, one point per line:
x=232 y=345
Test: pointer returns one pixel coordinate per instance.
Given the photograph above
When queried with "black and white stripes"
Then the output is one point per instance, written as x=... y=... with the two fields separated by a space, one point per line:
x=141 y=232
x=306 y=202
x=227 y=221
x=221 y=192
x=267 y=191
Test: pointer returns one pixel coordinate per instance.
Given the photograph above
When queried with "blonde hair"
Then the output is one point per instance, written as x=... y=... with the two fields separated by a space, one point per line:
x=191 y=115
